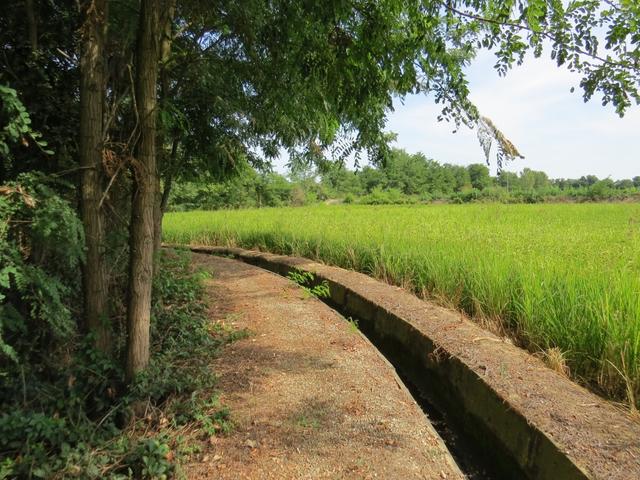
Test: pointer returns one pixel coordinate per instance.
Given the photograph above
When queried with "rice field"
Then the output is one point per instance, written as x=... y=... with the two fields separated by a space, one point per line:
x=561 y=279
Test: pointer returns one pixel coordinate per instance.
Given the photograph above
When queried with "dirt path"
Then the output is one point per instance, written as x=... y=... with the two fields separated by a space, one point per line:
x=309 y=396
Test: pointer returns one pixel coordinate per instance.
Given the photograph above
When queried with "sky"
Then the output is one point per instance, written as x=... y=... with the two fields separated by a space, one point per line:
x=554 y=129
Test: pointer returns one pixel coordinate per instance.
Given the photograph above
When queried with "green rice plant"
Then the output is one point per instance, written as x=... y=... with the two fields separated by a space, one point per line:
x=555 y=276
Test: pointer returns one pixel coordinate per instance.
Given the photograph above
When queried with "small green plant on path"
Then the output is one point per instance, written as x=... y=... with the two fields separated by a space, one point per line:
x=308 y=422
x=307 y=281
x=353 y=324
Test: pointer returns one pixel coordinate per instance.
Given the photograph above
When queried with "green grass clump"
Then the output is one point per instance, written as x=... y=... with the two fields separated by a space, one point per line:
x=563 y=276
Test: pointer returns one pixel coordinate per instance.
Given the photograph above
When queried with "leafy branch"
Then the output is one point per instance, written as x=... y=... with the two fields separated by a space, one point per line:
x=17 y=128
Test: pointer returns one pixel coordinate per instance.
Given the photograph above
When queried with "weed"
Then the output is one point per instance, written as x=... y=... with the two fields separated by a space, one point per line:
x=154 y=458
x=353 y=325
x=308 y=422
x=556 y=360
x=307 y=281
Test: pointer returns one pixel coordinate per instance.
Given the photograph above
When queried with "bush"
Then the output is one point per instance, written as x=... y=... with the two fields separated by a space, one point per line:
x=41 y=247
x=391 y=196
x=298 y=197
x=71 y=416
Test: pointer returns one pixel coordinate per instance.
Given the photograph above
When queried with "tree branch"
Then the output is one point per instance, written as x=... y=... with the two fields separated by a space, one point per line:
x=520 y=26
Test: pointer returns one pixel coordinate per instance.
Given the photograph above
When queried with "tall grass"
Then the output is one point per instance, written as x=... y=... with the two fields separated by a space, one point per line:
x=563 y=276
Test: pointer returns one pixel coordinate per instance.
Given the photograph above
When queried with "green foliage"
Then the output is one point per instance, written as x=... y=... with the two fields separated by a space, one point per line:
x=248 y=190
x=573 y=30
x=70 y=418
x=318 y=80
x=64 y=402
x=41 y=246
x=391 y=196
x=309 y=284
x=245 y=80
x=479 y=176
x=206 y=413
x=182 y=337
x=16 y=125
x=403 y=179
x=600 y=190
x=152 y=455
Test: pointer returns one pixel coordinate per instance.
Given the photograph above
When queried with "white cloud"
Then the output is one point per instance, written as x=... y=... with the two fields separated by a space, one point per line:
x=554 y=129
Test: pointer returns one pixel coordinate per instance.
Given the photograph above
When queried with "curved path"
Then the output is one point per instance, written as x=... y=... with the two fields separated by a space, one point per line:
x=525 y=417
x=309 y=395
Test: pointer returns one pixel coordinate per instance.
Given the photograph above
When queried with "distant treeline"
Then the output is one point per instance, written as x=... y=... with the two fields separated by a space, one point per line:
x=405 y=178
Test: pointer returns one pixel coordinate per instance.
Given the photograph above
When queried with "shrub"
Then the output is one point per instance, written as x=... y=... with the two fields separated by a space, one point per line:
x=41 y=247
x=391 y=196
x=71 y=418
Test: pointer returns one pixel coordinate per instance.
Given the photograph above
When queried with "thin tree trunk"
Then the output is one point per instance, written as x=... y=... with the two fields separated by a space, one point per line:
x=32 y=24
x=159 y=213
x=144 y=197
x=165 y=54
x=165 y=195
x=157 y=222
x=171 y=172
x=161 y=205
x=91 y=134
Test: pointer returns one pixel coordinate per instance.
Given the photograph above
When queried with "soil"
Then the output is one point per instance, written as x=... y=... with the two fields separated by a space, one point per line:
x=309 y=396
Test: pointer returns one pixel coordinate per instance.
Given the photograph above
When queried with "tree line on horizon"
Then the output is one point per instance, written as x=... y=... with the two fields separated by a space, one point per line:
x=403 y=178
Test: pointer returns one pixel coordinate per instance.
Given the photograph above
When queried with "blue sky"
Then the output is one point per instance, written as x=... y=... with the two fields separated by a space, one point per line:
x=554 y=129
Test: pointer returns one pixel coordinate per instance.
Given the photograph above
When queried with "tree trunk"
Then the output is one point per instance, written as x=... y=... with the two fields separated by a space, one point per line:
x=91 y=135
x=161 y=205
x=171 y=172
x=144 y=195
x=33 y=25
x=165 y=54
x=165 y=195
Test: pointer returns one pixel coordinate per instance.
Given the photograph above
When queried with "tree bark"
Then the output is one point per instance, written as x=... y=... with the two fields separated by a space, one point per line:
x=32 y=24
x=171 y=172
x=165 y=54
x=92 y=91
x=144 y=195
x=161 y=205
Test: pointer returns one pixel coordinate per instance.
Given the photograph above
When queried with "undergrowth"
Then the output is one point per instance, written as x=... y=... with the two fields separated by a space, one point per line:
x=72 y=416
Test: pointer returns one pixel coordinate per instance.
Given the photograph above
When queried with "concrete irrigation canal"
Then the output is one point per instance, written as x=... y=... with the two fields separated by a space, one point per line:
x=492 y=410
